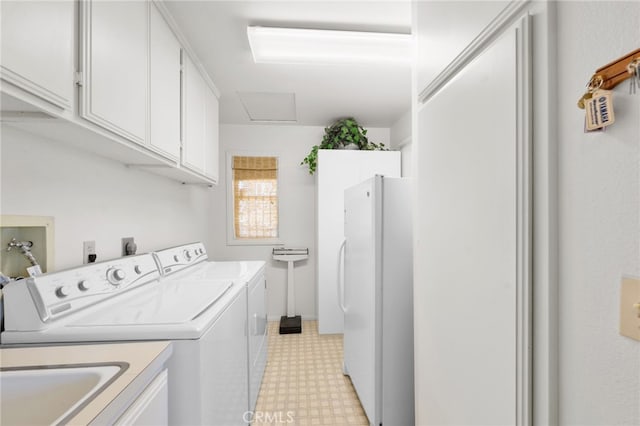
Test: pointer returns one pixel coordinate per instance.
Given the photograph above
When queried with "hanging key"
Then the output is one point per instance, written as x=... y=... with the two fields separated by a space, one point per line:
x=634 y=81
x=594 y=84
x=583 y=100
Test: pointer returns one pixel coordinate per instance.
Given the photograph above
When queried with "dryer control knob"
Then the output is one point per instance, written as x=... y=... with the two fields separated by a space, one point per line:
x=84 y=285
x=176 y=258
x=187 y=254
x=137 y=269
x=62 y=291
x=115 y=276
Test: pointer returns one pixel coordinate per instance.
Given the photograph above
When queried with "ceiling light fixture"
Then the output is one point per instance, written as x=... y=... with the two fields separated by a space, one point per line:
x=306 y=46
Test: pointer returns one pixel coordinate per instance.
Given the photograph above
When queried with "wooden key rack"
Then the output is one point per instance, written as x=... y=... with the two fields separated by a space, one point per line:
x=609 y=76
x=616 y=72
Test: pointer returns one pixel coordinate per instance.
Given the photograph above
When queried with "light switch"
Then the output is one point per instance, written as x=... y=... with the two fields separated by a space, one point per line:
x=630 y=308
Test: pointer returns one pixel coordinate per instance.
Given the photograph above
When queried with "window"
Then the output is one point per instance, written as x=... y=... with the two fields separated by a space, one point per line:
x=254 y=199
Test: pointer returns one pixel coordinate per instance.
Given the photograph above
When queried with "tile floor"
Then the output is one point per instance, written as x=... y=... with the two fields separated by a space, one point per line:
x=303 y=383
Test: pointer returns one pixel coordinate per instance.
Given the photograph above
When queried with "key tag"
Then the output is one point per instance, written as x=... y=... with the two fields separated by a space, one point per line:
x=599 y=110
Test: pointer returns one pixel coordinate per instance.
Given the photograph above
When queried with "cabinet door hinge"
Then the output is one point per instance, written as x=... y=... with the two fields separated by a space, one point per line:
x=78 y=79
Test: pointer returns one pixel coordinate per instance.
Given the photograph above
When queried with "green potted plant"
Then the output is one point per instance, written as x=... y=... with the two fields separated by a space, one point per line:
x=345 y=133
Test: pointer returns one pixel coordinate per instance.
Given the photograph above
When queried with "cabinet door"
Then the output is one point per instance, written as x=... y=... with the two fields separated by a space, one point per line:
x=164 y=79
x=472 y=233
x=151 y=407
x=194 y=90
x=37 y=48
x=115 y=46
x=211 y=139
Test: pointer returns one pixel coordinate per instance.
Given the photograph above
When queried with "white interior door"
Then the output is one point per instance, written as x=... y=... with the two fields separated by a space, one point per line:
x=470 y=242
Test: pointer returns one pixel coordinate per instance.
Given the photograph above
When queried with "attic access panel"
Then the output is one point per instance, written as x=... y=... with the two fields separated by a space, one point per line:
x=269 y=107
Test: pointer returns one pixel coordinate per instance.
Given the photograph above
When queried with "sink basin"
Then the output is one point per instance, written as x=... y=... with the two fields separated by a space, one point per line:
x=44 y=395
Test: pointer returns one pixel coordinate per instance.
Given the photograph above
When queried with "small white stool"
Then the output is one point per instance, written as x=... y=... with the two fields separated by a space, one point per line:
x=291 y=323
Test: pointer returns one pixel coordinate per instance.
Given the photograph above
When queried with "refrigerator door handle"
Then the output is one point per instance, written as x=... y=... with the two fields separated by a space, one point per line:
x=341 y=275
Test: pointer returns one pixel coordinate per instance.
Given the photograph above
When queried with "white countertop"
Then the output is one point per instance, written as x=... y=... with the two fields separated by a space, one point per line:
x=144 y=359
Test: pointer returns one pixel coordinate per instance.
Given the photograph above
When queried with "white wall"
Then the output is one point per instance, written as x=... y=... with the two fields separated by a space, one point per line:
x=400 y=131
x=296 y=190
x=401 y=140
x=92 y=198
x=599 y=203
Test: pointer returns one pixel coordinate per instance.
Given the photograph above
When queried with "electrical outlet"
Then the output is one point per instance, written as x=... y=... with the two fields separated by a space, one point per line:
x=128 y=246
x=88 y=252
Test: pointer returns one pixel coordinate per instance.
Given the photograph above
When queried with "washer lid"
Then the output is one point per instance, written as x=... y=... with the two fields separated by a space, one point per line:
x=172 y=302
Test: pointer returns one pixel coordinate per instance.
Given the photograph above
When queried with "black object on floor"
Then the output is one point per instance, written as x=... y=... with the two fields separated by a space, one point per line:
x=290 y=325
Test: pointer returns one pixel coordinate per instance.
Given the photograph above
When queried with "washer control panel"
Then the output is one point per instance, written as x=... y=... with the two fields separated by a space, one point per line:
x=64 y=292
x=175 y=259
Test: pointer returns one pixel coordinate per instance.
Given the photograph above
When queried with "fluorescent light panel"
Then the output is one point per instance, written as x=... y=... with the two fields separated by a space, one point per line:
x=305 y=46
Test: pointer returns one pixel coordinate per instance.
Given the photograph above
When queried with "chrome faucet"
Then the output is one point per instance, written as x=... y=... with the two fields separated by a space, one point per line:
x=25 y=247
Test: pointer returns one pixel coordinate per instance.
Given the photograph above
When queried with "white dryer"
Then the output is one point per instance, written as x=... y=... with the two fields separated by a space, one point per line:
x=252 y=274
x=128 y=299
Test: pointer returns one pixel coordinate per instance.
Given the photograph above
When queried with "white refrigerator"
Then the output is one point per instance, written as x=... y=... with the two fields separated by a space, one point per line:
x=376 y=296
x=338 y=169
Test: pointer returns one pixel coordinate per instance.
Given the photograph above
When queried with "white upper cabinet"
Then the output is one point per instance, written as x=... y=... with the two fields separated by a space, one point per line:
x=118 y=76
x=194 y=89
x=164 y=79
x=115 y=42
x=200 y=118
x=212 y=144
x=37 y=45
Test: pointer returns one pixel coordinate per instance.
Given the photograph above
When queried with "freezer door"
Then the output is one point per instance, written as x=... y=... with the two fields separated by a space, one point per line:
x=360 y=288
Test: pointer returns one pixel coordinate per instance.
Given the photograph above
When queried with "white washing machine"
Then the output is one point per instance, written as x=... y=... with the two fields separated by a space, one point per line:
x=127 y=299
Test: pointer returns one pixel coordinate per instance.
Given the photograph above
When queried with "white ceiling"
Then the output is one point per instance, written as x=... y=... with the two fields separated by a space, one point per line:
x=375 y=95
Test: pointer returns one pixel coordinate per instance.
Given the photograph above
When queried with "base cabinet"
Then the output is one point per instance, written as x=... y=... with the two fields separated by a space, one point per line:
x=151 y=407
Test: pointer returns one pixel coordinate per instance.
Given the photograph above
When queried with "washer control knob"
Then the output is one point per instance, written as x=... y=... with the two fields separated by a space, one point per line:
x=137 y=269
x=115 y=276
x=187 y=254
x=176 y=258
x=62 y=291
x=84 y=285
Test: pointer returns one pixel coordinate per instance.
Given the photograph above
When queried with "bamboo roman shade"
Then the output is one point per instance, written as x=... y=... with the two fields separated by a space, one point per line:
x=255 y=197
